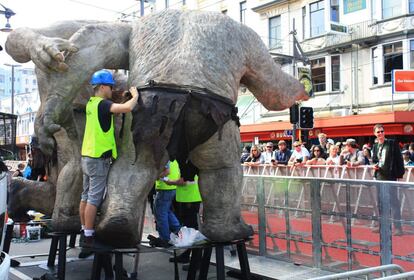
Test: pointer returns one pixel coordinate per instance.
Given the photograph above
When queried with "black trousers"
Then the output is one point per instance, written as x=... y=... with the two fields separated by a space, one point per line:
x=187 y=213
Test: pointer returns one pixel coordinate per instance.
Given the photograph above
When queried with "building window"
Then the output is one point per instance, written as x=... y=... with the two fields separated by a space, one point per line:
x=34 y=82
x=393 y=59
x=303 y=22
x=274 y=32
x=335 y=10
x=183 y=2
x=336 y=72
x=243 y=12
x=167 y=3
x=391 y=8
x=318 y=74
x=411 y=6
x=317 y=18
x=412 y=54
x=375 y=59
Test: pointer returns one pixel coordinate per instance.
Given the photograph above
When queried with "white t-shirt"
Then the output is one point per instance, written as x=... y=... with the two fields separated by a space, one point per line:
x=300 y=155
x=268 y=156
x=335 y=160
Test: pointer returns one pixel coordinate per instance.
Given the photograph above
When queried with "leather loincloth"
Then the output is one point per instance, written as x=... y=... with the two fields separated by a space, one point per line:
x=178 y=118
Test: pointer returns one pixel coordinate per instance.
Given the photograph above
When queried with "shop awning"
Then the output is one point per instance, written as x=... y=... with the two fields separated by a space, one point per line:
x=396 y=123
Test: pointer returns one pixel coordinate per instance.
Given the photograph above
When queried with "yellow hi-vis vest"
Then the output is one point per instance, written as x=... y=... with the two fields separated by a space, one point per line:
x=189 y=192
x=173 y=176
x=95 y=140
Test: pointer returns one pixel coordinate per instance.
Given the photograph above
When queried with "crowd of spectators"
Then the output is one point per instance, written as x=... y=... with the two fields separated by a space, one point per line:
x=326 y=152
x=385 y=155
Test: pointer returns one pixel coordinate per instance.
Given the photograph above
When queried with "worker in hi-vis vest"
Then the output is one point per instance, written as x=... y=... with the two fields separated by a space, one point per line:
x=165 y=218
x=99 y=148
x=188 y=200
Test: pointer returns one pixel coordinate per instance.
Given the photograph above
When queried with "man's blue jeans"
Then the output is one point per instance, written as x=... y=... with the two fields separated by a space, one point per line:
x=166 y=220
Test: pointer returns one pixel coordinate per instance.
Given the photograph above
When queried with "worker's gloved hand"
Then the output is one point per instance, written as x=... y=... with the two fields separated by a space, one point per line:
x=134 y=92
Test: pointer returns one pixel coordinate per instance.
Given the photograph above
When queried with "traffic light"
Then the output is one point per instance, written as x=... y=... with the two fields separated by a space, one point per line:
x=294 y=114
x=306 y=117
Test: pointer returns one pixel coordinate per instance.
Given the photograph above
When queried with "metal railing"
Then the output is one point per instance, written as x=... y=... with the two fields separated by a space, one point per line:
x=400 y=276
x=383 y=271
x=363 y=172
x=322 y=222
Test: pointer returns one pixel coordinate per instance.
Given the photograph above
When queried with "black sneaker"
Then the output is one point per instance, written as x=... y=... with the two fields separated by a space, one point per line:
x=158 y=242
x=87 y=242
x=84 y=253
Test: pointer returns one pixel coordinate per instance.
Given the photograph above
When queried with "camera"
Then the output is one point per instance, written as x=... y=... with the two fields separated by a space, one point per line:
x=299 y=160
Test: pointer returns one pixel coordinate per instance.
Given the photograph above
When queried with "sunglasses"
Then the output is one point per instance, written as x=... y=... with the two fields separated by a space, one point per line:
x=269 y=147
x=254 y=150
x=380 y=131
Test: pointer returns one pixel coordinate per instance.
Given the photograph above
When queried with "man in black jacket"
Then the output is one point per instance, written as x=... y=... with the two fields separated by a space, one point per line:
x=389 y=166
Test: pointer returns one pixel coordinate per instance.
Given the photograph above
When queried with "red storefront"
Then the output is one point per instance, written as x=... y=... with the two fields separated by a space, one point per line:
x=399 y=123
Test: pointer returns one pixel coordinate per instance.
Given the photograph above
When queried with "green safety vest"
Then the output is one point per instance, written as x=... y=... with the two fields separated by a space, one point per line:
x=173 y=176
x=189 y=192
x=95 y=140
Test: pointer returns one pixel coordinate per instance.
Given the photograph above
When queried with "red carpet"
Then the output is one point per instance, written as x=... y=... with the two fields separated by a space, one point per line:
x=331 y=232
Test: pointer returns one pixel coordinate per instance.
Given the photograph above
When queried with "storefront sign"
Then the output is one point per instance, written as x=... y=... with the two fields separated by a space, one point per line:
x=403 y=81
x=351 y=6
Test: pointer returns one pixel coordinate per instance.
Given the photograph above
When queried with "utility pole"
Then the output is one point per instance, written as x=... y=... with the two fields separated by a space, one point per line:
x=12 y=84
x=293 y=32
x=142 y=8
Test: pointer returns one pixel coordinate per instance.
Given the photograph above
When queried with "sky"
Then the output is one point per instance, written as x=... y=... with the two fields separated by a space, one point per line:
x=40 y=13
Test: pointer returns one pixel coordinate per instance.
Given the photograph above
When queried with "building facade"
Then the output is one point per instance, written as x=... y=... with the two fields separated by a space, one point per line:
x=350 y=47
x=26 y=101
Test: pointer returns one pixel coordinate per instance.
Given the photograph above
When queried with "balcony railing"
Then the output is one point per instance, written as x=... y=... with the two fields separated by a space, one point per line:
x=365 y=32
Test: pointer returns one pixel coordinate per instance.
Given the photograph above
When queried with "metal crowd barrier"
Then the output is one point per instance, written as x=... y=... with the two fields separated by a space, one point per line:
x=363 y=172
x=383 y=271
x=360 y=194
x=327 y=222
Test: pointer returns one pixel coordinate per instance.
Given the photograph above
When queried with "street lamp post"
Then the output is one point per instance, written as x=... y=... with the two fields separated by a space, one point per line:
x=12 y=84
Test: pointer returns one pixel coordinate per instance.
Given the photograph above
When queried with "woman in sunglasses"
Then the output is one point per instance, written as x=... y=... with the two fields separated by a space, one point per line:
x=256 y=157
x=317 y=156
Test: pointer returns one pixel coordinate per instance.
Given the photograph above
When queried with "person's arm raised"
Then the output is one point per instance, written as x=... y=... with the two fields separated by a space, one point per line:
x=127 y=106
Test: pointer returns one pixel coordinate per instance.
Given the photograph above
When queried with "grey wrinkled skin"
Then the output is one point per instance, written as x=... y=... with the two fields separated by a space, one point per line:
x=201 y=49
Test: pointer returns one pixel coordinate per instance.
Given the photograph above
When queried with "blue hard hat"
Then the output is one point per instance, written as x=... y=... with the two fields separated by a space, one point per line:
x=102 y=77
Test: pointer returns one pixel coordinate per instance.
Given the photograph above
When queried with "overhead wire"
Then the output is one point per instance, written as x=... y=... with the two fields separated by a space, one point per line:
x=94 y=6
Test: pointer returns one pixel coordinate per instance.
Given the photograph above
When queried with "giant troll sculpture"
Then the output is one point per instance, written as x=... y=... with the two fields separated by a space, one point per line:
x=189 y=66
